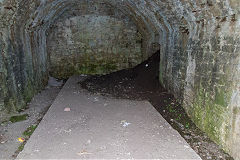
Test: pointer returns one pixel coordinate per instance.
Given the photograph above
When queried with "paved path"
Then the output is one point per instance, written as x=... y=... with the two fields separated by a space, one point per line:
x=100 y=127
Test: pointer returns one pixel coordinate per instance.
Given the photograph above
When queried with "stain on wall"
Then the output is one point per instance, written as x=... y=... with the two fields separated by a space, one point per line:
x=93 y=44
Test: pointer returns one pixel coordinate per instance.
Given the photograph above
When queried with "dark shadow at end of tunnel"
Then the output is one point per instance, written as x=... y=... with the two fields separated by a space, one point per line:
x=142 y=83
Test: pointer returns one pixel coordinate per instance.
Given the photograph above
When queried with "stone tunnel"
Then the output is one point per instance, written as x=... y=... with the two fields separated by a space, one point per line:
x=199 y=44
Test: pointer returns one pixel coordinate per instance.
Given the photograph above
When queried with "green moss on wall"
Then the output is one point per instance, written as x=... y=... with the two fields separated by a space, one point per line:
x=28 y=93
x=220 y=98
x=161 y=74
x=88 y=68
x=210 y=113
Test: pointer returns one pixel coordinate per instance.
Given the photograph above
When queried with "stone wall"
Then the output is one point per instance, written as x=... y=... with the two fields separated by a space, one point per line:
x=101 y=41
x=202 y=72
x=199 y=43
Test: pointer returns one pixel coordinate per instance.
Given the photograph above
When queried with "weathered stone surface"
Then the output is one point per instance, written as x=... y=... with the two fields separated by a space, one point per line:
x=93 y=39
x=199 y=43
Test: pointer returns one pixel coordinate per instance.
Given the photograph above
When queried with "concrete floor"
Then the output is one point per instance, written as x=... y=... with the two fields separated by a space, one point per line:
x=98 y=127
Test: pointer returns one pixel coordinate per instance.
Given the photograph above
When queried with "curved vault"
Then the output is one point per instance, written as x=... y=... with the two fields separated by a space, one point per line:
x=199 y=44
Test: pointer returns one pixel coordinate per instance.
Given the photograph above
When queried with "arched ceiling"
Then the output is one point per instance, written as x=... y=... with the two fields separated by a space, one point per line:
x=156 y=19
